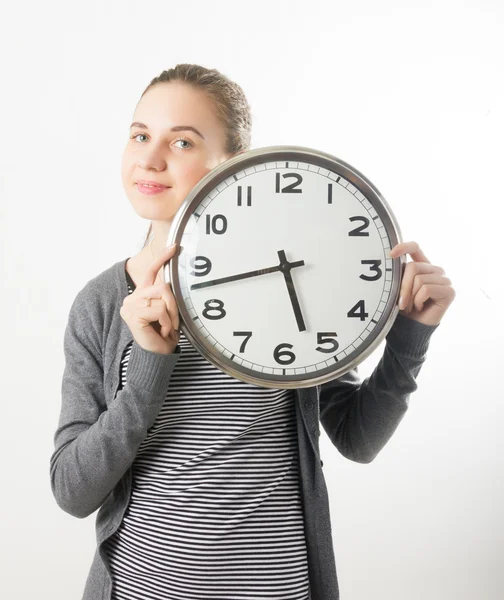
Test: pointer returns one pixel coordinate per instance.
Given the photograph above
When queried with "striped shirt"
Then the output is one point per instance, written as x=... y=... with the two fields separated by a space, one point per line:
x=215 y=511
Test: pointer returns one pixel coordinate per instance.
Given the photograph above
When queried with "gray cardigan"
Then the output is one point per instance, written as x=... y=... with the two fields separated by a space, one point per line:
x=100 y=428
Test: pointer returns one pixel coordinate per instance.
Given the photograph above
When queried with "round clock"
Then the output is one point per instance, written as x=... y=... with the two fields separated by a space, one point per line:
x=282 y=278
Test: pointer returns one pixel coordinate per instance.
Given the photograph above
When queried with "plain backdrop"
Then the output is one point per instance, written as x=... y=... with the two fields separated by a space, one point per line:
x=409 y=93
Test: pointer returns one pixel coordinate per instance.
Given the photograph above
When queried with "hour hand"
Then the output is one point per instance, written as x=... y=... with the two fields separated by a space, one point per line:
x=285 y=267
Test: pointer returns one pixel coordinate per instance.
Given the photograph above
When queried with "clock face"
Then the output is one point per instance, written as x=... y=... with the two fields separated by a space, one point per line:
x=283 y=277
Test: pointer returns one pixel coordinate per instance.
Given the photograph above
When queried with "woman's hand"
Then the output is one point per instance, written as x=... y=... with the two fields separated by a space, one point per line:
x=425 y=291
x=155 y=327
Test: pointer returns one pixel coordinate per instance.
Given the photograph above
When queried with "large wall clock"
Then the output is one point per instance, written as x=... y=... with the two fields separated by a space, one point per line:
x=282 y=278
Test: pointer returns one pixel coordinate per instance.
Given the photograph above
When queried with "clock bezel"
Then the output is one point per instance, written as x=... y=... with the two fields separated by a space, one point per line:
x=239 y=163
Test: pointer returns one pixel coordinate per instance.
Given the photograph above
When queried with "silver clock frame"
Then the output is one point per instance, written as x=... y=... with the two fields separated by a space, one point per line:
x=284 y=153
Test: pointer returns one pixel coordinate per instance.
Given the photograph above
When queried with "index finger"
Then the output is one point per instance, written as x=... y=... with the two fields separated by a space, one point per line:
x=413 y=249
x=153 y=268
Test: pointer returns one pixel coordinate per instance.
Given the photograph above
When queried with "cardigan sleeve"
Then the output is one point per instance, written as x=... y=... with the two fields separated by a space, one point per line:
x=95 y=444
x=360 y=416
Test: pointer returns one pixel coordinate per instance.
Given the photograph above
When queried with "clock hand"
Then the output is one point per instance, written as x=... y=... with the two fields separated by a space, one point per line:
x=196 y=286
x=286 y=267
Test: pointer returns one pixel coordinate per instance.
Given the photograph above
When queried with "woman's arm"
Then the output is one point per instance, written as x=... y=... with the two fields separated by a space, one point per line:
x=360 y=417
x=95 y=444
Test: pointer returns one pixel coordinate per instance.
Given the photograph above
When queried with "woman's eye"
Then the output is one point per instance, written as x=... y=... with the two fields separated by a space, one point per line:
x=177 y=140
x=184 y=140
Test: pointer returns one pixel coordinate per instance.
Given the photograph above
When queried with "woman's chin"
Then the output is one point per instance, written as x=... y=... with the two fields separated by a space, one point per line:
x=153 y=213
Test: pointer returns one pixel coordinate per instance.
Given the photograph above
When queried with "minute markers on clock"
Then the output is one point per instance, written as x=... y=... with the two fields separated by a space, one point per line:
x=285 y=267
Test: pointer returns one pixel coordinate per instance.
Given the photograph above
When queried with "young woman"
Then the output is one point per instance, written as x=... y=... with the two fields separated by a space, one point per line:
x=208 y=487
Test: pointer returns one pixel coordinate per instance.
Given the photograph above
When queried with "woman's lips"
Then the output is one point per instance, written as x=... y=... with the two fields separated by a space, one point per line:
x=149 y=191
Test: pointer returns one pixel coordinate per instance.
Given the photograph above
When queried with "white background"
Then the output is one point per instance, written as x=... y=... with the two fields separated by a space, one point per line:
x=412 y=95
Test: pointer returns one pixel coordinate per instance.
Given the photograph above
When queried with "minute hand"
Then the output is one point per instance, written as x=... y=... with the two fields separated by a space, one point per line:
x=196 y=286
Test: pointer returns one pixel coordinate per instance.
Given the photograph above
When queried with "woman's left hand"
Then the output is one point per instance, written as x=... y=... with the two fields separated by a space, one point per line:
x=426 y=291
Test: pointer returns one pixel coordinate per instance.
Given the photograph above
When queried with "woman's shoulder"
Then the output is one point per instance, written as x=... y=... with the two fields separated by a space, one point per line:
x=100 y=290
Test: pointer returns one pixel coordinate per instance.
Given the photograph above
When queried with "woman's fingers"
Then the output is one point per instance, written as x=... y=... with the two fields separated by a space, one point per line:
x=153 y=268
x=411 y=248
x=171 y=305
x=412 y=281
x=163 y=292
x=165 y=322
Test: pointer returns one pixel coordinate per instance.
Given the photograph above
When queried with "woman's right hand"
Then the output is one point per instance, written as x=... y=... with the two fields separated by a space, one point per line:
x=155 y=327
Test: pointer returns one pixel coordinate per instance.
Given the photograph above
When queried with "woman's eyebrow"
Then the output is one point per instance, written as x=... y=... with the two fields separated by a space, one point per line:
x=176 y=128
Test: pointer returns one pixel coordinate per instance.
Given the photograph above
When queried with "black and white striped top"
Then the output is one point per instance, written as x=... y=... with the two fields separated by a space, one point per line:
x=215 y=510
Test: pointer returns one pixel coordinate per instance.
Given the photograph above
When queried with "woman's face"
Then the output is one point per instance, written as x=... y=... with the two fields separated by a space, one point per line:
x=154 y=152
